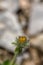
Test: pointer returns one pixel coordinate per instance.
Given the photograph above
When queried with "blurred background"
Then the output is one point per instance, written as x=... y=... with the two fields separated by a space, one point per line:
x=21 y=17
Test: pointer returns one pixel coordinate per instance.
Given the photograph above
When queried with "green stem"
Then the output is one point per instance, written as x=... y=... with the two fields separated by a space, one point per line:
x=13 y=60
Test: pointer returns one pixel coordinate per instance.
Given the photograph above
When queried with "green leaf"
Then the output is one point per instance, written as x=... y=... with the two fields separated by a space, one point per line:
x=7 y=62
x=17 y=50
x=14 y=43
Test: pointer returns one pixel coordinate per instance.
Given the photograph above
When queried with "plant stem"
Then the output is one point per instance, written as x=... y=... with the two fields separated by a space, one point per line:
x=13 y=60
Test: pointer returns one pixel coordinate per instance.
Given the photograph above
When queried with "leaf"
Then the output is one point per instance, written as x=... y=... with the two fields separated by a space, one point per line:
x=17 y=50
x=7 y=62
x=14 y=43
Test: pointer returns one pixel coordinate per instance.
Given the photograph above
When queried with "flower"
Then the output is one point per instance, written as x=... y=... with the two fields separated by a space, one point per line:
x=22 y=39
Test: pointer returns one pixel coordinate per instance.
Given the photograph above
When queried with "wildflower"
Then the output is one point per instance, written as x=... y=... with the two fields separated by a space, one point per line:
x=22 y=39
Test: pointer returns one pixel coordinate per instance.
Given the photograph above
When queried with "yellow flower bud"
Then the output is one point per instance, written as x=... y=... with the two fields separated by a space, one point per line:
x=22 y=39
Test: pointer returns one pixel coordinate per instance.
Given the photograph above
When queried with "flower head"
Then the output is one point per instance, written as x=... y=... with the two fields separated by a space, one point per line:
x=22 y=39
